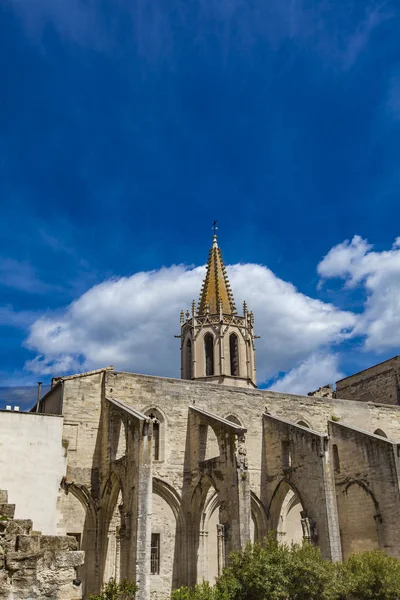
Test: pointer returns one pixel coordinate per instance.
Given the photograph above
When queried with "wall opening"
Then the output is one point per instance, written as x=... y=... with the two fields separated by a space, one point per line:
x=112 y=566
x=209 y=447
x=158 y=439
x=163 y=540
x=291 y=520
x=286 y=455
x=336 y=461
x=209 y=354
x=234 y=354
x=303 y=424
x=380 y=433
x=189 y=360
x=234 y=419
x=155 y=554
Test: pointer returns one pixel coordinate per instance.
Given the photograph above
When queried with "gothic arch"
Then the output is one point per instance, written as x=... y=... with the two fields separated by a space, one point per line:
x=303 y=423
x=208 y=342
x=281 y=493
x=234 y=361
x=259 y=517
x=380 y=432
x=170 y=495
x=159 y=432
x=188 y=357
x=359 y=518
x=234 y=419
x=82 y=494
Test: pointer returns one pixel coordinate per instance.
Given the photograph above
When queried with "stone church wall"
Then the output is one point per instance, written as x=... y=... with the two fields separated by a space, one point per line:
x=379 y=383
x=367 y=488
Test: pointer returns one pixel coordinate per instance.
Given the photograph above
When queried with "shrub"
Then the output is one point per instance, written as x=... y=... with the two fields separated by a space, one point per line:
x=371 y=576
x=124 y=590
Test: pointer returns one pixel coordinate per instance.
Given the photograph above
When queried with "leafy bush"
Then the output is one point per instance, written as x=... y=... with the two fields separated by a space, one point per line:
x=371 y=576
x=272 y=571
x=276 y=571
x=124 y=590
x=201 y=591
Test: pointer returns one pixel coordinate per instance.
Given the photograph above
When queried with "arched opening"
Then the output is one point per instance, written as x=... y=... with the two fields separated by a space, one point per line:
x=163 y=539
x=290 y=530
x=303 y=424
x=158 y=439
x=209 y=354
x=288 y=515
x=79 y=520
x=209 y=447
x=259 y=520
x=380 y=433
x=212 y=554
x=189 y=359
x=234 y=354
x=359 y=519
x=112 y=566
x=234 y=419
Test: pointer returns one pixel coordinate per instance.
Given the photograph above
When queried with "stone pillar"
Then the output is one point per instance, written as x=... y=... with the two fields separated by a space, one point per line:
x=221 y=548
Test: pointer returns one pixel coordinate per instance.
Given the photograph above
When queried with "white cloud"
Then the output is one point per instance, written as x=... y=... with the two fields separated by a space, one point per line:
x=379 y=274
x=317 y=370
x=130 y=322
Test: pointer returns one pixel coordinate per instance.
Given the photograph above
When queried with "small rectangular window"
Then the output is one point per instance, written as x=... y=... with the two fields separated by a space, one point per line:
x=155 y=554
x=336 y=461
x=286 y=455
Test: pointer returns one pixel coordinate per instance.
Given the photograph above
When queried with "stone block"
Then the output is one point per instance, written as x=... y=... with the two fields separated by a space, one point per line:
x=7 y=510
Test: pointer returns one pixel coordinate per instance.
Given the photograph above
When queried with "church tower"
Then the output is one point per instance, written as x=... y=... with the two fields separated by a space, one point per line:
x=217 y=345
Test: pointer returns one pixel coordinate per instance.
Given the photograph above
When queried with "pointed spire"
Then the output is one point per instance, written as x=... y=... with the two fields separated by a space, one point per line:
x=216 y=292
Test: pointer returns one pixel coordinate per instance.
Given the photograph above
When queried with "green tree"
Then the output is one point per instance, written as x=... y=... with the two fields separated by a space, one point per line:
x=124 y=590
x=371 y=576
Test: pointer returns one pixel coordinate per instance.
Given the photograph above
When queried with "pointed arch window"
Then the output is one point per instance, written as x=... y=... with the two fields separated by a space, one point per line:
x=234 y=354
x=189 y=360
x=158 y=437
x=209 y=354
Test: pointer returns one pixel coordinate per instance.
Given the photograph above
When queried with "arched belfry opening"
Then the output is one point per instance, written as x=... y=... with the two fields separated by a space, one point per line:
x=217 y=342
x=189 y=359
x=209 y=354
x=234 y=354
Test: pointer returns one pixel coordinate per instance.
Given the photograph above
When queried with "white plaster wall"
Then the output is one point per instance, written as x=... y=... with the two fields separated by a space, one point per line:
x=32 y=464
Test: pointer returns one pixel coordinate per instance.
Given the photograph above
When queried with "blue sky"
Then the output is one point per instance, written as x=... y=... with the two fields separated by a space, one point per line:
x=126 y=127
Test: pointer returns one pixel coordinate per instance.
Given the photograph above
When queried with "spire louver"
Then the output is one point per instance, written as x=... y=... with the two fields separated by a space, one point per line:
x=216 y=292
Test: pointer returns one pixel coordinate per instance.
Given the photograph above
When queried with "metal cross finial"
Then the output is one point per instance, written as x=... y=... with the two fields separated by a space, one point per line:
x=215 y=227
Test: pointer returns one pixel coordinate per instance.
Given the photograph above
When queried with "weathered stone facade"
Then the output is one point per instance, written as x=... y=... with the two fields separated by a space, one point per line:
x=230 y=464
x=380 y=383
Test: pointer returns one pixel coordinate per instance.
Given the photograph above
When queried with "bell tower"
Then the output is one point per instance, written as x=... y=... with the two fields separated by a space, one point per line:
x=217 y=344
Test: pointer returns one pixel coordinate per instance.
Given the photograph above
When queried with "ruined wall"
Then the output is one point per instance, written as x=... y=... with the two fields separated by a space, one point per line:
x=367 y=490
x=297 y=460
x=379 y=383
x=32 y=464
x=35 y=566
